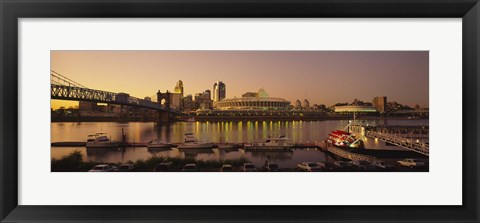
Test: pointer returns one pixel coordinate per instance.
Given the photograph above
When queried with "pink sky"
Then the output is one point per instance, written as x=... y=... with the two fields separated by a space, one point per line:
x=322 y=77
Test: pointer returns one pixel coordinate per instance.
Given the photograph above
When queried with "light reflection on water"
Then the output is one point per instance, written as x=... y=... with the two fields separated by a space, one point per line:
x=220 y=132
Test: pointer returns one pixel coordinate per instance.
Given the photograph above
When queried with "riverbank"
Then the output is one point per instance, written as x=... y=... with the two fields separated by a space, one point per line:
x=73 y=162
x=229 y=118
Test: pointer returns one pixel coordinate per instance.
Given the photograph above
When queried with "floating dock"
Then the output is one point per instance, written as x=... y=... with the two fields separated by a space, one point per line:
x=346 y=153
x=144 y=144
x=68 y=144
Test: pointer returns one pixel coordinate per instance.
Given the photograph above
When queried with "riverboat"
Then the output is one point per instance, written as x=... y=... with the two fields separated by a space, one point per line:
x=341 y=138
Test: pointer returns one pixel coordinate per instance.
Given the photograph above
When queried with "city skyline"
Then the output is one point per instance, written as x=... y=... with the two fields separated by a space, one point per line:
x=322 y=77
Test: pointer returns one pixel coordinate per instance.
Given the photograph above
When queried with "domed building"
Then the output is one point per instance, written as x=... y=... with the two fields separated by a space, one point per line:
x=306 y=104
x=253 y=101
x=298 y=104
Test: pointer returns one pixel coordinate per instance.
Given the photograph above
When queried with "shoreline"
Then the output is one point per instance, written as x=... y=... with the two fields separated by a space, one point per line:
x=228 y=119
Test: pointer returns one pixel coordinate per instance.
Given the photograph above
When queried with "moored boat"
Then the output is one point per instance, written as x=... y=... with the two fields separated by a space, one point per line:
x=190 y=142
x=101 y=140
x=158 y=144
x=270 y=144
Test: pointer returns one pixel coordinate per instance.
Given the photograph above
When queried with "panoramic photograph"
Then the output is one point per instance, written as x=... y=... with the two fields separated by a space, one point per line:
x=239 y=111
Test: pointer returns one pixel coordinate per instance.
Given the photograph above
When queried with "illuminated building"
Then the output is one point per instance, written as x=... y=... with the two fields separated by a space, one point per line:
x=219 y=91
x=354 y=108
x=179 y=88
x=259 y=101
x=203 y=100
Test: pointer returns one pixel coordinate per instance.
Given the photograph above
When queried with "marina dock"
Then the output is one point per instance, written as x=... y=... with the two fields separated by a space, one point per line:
x=406 y=147
x=144 y=144
x=345 y=153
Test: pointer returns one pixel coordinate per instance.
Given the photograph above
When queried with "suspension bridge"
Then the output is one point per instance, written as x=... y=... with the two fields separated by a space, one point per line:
x=63 y=88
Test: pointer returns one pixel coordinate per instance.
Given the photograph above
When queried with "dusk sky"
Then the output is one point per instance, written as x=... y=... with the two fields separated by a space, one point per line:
x=322 y=77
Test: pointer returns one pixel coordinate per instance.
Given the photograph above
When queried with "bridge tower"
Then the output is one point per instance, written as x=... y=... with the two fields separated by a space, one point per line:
x=163 y=117
x=164 y=96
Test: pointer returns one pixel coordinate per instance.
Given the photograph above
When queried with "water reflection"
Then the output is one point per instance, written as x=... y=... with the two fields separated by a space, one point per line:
x=220 y=132
x=158 y=150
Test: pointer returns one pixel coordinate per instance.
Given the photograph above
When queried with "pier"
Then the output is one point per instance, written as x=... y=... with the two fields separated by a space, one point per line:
x=393 y=135
x=400 y=129
x=410 y=144
x=351 y=154
x=369 y=155
x=401 y=136
x=144 y=144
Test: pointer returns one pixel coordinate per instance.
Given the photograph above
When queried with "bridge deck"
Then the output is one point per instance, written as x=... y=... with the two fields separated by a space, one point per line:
x=75 y=93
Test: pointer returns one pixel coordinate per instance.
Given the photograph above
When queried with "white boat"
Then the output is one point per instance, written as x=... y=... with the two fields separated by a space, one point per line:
x=269 y=144
x=191 y=143
x=158 y=144
x=100 y=140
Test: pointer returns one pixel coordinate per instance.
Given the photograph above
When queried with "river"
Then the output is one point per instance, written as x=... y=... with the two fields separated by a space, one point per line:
x=220 y=132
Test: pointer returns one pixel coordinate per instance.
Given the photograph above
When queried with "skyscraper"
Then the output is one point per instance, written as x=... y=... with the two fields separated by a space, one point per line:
x=188 y=104
x=179 y=88
x=380 y=103
x=219 y=91
x=208 y=94
x=214 y=95
x=203 y=101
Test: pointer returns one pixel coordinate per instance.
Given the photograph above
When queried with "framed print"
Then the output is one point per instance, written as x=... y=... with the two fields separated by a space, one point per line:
x=220 y=130
x=239 y=111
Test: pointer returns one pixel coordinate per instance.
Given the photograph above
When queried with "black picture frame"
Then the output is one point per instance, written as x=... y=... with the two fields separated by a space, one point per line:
x=12 y=10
